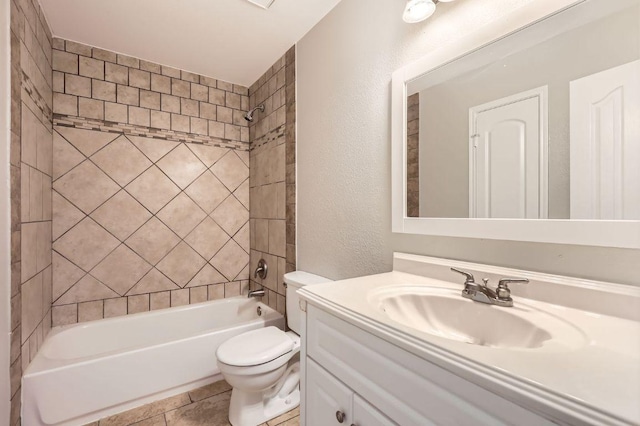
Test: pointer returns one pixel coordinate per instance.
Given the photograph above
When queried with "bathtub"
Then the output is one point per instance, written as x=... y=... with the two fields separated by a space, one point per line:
x=88 y=371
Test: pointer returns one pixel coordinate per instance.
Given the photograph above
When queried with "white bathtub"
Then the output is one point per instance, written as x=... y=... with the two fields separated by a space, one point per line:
x=88 y=371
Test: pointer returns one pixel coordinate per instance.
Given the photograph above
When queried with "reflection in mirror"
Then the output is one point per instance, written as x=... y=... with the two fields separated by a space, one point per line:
x=542 y=124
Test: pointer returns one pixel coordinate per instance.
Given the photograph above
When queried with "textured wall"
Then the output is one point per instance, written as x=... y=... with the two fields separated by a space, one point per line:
x=272 y=177
x=31 y=170
x=344 y=67
x=150 y=190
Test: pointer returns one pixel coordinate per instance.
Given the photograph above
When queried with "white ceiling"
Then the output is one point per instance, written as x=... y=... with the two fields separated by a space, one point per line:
x=231 y=40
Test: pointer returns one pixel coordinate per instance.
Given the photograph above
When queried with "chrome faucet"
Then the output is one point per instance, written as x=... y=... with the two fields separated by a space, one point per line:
x=256 y=293
x=501 y=296
x=261 y=270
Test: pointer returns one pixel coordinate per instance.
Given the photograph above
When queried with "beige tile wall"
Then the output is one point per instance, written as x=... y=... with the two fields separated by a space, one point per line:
x=413 y=145
x=272 y=177
x=97 y=84
x=31 y=175
x=147 y=214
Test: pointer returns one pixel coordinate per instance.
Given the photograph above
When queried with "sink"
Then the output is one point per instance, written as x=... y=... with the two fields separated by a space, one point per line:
x=444 y=313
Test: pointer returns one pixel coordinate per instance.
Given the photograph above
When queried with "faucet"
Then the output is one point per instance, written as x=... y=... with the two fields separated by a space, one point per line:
x=256 y=293
x=501 y=296
x=261 y=270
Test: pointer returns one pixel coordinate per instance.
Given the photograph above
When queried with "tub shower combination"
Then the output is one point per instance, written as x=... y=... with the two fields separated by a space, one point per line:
x=85 y=372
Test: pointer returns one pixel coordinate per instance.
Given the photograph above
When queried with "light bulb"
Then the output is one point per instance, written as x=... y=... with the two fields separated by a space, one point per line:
x=418 y=10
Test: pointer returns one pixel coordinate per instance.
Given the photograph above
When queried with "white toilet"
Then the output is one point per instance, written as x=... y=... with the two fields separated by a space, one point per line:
x=263 y=366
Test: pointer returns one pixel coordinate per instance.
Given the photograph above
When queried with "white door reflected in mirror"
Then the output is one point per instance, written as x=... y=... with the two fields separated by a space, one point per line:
x=507 y=157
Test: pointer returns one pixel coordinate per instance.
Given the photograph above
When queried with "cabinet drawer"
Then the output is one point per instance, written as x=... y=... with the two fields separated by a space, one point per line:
x=326 y=396
x=406 y=388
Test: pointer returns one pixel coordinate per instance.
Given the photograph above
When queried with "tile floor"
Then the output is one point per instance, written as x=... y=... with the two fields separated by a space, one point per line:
x=206 y=406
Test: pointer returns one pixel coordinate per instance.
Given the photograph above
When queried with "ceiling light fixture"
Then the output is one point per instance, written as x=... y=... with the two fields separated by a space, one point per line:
x=265 y=4
x=419 y=10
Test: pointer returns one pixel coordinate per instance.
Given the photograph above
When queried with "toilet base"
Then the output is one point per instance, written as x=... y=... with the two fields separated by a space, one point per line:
x=253 y=408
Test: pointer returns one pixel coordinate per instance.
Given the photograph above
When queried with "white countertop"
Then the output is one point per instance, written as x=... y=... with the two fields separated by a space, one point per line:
x=598 y=379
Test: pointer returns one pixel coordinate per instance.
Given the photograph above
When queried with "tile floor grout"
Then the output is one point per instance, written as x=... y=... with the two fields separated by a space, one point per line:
x=206 y=406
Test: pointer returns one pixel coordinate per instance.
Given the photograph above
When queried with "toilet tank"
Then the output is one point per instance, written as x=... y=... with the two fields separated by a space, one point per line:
x=294 y=281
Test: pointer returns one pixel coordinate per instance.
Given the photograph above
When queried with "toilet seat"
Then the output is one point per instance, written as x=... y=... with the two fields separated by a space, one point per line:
x=257 y=348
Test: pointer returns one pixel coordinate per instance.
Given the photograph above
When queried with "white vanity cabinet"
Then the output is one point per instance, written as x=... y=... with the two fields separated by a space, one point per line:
x=354 y=376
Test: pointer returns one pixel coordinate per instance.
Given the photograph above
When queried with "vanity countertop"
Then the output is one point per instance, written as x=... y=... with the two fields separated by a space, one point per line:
x=596 y=380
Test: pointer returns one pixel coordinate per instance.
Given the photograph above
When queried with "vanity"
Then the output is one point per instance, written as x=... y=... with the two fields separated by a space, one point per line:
x=407 y=348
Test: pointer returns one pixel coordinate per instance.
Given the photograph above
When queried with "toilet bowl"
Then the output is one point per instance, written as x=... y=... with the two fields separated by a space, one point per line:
x=263 y=366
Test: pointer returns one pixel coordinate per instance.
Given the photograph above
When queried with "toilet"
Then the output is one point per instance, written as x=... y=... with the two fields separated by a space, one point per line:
x=263 y=366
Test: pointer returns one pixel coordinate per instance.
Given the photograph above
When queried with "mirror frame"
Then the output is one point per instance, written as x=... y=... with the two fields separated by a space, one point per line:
x=606 y=233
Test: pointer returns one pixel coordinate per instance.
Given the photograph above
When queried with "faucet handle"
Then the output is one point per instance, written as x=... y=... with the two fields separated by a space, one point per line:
x=504 y=281
x=503 y=292
x=468 y=275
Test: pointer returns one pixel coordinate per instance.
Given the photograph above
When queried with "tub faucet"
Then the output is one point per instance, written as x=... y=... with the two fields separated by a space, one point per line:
x=261 y=270
x=501 y=296
x=256 y=293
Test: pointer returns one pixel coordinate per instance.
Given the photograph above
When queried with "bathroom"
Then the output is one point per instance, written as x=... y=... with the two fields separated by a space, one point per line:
x=154 y=153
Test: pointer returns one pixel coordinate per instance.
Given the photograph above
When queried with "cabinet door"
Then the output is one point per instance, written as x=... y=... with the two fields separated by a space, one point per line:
x=364 y=414
x=327 y=398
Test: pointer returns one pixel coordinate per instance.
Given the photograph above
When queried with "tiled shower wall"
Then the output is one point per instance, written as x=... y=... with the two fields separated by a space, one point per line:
x=413 y=159
x=272 y=177
x=150 y=186
x=31 y=170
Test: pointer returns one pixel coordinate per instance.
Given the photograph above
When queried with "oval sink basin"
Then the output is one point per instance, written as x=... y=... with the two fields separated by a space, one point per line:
x=445 y=313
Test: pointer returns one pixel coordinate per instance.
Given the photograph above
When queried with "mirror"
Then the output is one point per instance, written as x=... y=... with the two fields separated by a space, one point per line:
x=543 y=124
x=527 y=129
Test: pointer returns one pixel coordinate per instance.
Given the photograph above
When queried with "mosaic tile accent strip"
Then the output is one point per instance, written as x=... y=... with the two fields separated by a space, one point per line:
x=143 y=131
x=141 y=223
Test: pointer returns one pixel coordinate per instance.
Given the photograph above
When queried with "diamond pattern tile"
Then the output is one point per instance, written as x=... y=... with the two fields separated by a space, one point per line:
x=153 y=282
x=86 y=187
x=153 y=241
x=86 y=244
x=182 y=166
x=182 y=264
x=65 y=215
x=244 y=156
x=65 y=275
x=207 y=154
x=207 y=191
x=86 y=141
x=121 y=161
x=231 y=170
x=85 y=290
x=231 y=215
x=153 y=189
x=181 y=215
x=121 y=270
x=121 y=215
x=230 y=260
x=207 y=275
x=242 y=193
x=242 y=237
x=154 y=149
x=207 y=238
x=65 y=156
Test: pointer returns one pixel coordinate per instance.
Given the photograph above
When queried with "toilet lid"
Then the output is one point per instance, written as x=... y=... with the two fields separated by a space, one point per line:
x=255 y=347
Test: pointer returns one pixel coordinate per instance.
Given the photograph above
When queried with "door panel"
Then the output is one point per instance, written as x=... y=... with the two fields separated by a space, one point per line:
x=508 y=157
x=605 y=144
x=506 y=161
